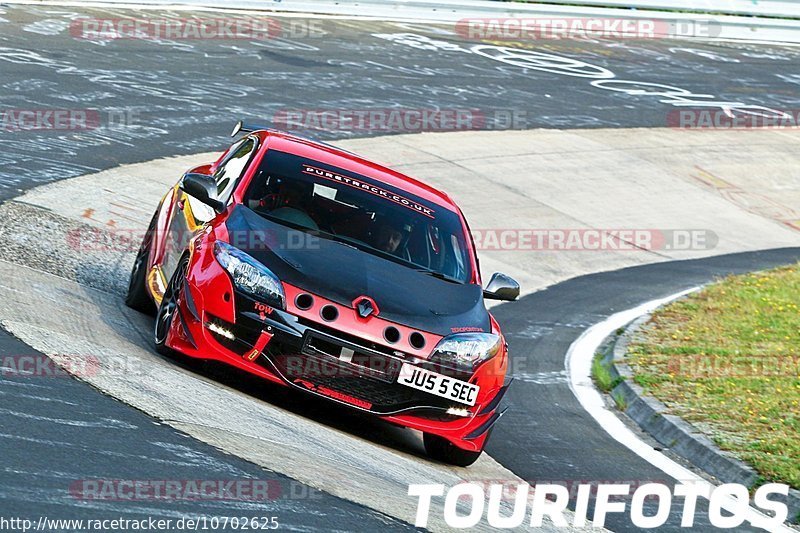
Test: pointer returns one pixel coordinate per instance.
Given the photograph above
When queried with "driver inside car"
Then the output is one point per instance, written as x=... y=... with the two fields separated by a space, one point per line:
x=392 y=239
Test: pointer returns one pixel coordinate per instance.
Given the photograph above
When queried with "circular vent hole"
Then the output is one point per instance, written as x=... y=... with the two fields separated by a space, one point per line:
x=417 y=340
x=329 y=313
x=391 y=334
x=304 y=301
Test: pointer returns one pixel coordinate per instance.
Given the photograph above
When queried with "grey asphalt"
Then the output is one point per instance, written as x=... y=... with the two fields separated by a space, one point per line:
x=546 y=435
x=181 y=98
x=58 y=436
x=157 y=98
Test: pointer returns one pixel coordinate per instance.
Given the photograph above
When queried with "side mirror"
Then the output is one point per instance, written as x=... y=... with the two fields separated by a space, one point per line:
x=202 y=187
x=501 y=287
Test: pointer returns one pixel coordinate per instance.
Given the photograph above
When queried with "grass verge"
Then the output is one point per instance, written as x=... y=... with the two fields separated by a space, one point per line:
x=727 y=359
x=602 y=374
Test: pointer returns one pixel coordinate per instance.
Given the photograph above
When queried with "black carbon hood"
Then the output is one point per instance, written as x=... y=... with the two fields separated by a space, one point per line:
x=342 y=273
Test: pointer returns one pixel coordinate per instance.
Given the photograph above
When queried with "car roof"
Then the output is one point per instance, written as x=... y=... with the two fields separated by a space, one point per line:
x=331 y=155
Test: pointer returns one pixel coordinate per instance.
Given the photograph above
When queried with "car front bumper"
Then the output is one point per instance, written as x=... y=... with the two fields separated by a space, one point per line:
x=331 y=363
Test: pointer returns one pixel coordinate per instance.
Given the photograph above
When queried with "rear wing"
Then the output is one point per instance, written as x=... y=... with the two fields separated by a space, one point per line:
x=243 y=127
x=249 y=127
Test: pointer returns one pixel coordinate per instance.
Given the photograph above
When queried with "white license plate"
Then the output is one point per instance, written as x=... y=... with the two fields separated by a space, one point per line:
x=438 y=384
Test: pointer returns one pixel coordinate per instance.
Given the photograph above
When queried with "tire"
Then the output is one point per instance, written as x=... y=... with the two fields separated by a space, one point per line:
x=138 y=298
x=443 y=450
x=169 y=308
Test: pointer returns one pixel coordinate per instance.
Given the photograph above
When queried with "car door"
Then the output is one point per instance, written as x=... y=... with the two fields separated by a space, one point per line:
x=189 y=215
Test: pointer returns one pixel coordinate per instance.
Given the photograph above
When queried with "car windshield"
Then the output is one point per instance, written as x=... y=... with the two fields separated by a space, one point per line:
x=360 y=212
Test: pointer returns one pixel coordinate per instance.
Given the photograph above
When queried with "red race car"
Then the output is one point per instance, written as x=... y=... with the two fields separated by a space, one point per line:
x=314 y=268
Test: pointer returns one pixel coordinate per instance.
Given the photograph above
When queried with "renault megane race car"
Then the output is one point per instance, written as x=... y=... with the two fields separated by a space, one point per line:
x=314 y=268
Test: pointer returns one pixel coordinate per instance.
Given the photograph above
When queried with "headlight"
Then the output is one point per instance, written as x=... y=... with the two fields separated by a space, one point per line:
x=465 y=351
x=250 y=276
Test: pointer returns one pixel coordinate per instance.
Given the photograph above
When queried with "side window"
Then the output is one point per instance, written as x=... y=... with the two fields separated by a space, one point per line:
x=233 y=166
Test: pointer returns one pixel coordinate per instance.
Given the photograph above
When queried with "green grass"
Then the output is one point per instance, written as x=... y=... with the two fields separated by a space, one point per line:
x=602 y=375
x=727 y=359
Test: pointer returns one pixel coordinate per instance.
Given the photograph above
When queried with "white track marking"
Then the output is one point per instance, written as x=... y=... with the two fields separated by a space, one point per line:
x=579 y=364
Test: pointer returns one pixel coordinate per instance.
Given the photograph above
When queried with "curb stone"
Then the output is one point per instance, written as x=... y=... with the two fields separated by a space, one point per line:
x=674 y=432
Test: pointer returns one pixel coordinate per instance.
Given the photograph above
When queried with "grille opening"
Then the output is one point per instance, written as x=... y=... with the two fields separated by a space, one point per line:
x=391 y=334
x=304 y=301
x=385 y=395
x=329 y=313
x=353 y=339
x=417 y=340
x=359 y=364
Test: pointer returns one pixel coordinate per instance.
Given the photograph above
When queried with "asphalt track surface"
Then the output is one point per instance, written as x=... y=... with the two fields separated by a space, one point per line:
x=183 y=96
x=546 y=435
x=59 y=437
x=180 y=97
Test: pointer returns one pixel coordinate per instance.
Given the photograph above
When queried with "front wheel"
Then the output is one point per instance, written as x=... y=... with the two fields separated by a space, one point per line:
x=169 y=308
x=443 y=450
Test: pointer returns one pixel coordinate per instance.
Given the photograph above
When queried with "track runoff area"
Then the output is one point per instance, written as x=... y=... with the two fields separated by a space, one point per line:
x=731 y=210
